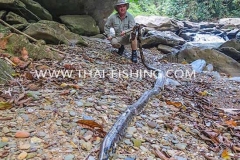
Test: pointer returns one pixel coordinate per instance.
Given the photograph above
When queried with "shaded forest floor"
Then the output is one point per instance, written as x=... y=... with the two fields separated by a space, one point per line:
x=197 y=120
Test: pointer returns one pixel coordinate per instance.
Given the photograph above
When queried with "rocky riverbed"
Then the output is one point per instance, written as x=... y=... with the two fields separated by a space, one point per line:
x=196 y=119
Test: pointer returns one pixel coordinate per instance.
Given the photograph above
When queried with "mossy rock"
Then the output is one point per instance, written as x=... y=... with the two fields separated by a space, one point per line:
x=5 y=70
x=16 y=43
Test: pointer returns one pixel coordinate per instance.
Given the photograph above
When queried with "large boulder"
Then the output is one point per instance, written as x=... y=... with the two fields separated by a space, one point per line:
x=13 y=18
x=98 y=9
x=220 y=61
x=159 y=23
x=15 y=43
x=5 y=70
x=229 y=22
x=37 y=10
x=154 y=38
x=81 y=24
x=53 y=33
x=28 y=9
x=232 y=49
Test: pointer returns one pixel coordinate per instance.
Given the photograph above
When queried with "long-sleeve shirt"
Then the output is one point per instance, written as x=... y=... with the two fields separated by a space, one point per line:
x=119 y=25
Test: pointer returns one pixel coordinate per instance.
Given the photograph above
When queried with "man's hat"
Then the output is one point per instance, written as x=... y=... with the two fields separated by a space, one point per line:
x=120 y=2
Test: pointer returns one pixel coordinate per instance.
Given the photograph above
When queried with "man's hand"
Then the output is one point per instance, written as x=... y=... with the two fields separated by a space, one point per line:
x=109 y=38
x=123 y=33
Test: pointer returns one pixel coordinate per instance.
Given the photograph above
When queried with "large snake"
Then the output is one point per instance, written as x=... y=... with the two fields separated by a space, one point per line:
x=108 y=145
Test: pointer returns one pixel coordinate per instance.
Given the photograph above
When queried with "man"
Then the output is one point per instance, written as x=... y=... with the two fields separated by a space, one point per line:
x=122 y=22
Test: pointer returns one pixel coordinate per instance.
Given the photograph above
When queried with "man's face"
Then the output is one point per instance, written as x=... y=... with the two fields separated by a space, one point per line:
x=122 y=9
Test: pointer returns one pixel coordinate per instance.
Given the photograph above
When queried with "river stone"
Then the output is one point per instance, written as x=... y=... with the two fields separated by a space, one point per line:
x=72 y=113
x=152 y=124
x=131 y=130
x=69 y=157
x=41 y=134
x=91 y=158
x=181 y=146
x=2 y=144
x=79 y=103
x=85 y=117
x=5 y=130
x=180 y=158
x=144 y=149
x=128 y=142
x=129 y=158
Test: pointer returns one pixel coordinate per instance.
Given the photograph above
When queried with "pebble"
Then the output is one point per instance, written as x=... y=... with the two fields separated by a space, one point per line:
x=88 y=135
x=22 y=155
x=24 y=146
x=88 y=104
x=131 y=130
x=128 y=142
x=129 y=158
x=85 y=117
x=3 y=144
x=41 y=134
x=60 y=133
x=181 y=146
x=152 y=124
x=22 y=134
x=4 y=139
x=91 y=158
x=69 y=157
x=31 y=155
x=5 y=130
x=86 y=145
x=154 y=116
x=143 y=149
x=180 y=158
x=72 y=113
x=36 y=140
x=143 y=116
x=79 y=103
x=25 y=117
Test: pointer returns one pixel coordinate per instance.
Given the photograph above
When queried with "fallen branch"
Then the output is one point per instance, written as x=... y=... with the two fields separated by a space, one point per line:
x=31 y=38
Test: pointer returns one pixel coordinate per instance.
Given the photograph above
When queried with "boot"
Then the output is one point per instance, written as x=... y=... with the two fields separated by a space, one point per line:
x=121 y=50
x=134 y=56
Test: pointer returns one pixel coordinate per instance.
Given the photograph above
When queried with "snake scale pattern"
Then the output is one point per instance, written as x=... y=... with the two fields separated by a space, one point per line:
x=108 y=146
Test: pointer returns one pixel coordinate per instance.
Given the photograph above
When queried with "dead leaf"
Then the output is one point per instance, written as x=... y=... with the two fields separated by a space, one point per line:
x=75 y=86
x=65 y=92
x=225 y=155
x=32 y=87
x=92 y=125
x=5 y=105
x=204 y=93
x=176 y=104
x=29 y=76
x=231 y=123
x=15 y=60
x=3 y=43
x=69 y=67
x=89 y=123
